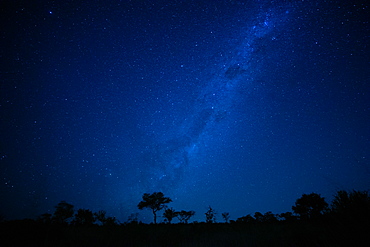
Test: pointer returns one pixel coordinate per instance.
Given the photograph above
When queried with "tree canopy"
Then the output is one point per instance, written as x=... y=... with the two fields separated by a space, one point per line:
x=310 y=206
x=155 y=202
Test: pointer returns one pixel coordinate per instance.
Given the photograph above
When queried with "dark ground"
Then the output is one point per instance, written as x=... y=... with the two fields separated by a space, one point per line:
x=31 y=233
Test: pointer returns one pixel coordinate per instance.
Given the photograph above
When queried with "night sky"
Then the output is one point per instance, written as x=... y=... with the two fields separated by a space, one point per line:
x=240 y=105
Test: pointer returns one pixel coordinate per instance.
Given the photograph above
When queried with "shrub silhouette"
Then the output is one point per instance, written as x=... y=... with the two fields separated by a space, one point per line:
x=184 y=216
x=155 y=202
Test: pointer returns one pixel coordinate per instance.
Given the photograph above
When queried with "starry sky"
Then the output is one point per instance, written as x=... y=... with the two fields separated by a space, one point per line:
x=240 y=105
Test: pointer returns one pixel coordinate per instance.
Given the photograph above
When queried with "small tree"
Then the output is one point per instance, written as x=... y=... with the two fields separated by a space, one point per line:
x=63 y=211
x=226 y=217
x=310 y=207
x=210 y=215
x=169 y=214
x=184 y=216
x=155 y=202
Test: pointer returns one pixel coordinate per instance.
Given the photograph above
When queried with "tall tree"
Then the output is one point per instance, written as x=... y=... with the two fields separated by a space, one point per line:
x=310 y=206
x=155 y=202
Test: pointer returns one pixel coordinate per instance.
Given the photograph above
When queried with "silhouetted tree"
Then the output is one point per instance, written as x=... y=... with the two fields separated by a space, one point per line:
x=310 y=207
x=84 y=217
x=351 y=206
x=246 y=219
x=110 y=221
x=258 y=217
x=105 y=221
x=184 y=216
x=63 y=211
x=100 y=216
x=269 y=217
x=155 y=202
x=133 y=218
x=210 y=215
x=169 y=214
x=226 y=217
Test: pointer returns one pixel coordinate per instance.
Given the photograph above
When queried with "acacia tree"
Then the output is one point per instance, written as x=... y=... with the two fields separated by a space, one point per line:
x=169 y=214
x=155 y=202
x=310 y=206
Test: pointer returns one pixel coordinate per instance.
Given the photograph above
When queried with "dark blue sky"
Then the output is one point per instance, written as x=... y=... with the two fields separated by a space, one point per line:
x=241 y=105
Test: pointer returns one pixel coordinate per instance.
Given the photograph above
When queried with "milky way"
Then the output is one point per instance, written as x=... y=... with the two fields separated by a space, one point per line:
x=170 y=158
x=241 y=105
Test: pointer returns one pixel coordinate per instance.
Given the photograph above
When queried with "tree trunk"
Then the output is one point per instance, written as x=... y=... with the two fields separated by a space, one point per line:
x=155 y=217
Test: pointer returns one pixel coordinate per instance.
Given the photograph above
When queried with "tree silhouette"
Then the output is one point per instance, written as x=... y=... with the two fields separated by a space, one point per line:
x=210 y=215
x=169 y=214
x=184 y=216
x=226 y=217
x=269 y=217
x=84 y=217
x=100 y=216
x=155 y=202
x=258 y=217
x=133 y=218
x=246 y=219
x=63 y=211
x=310 y=207
x=351 y=206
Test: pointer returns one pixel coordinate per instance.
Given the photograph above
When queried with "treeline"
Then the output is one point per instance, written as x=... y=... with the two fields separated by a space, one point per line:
x=347 y=207
x=313 y=222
